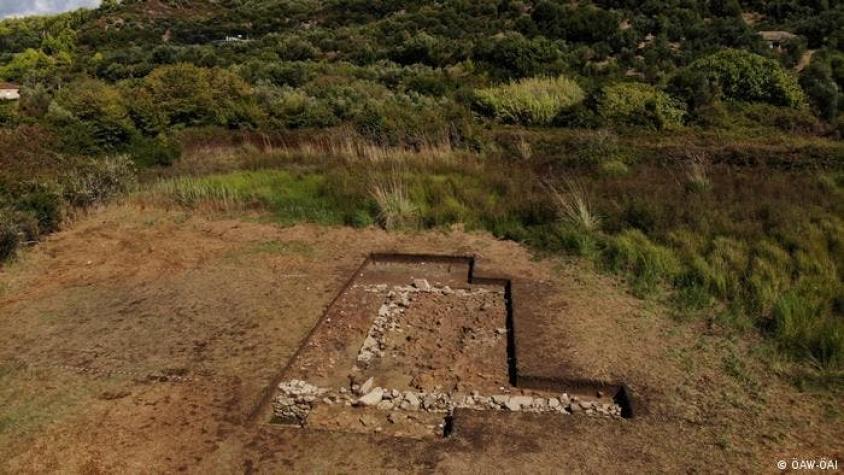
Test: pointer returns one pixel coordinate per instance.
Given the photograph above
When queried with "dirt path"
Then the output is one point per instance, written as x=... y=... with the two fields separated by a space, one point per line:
x=139 y=340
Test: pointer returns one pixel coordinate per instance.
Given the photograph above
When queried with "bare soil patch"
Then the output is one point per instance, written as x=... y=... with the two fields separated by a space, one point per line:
x=140 y=340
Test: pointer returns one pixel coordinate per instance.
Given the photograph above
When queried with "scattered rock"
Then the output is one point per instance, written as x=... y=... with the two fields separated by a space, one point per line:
x=367 y=386
x=371 y=398
x=422 y=285
x=517 y=403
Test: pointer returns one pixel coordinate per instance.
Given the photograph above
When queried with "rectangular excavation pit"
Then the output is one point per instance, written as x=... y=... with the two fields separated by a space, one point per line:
x=410 y=339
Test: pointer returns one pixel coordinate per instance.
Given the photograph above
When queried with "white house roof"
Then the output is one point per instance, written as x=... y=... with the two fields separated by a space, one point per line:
x=777 y=35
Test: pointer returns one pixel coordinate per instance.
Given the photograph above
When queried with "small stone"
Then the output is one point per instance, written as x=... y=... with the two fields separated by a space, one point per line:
x=366 y=386
x=500 y=331
x=412 y=401
x=516 y=403
x=285 y=401
x=500 y=399
x=422 y=285
x=384 y=405
x=371 y=398
x=554 y=403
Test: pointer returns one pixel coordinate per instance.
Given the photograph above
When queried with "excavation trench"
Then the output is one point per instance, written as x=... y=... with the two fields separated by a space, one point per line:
x=412 y=339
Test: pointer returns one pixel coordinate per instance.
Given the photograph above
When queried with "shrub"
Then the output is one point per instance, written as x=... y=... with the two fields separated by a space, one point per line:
x=639 y=104
x=511 y=55
x=529 y=101
x=614 y=168
x=9 y=235
x=99 y=180
x=742 y=76
x=187 y=95
x=599 y=148
x=155 y=151
x=787 y=119
x=818 y=82
x=92 y=117
x=44 y=201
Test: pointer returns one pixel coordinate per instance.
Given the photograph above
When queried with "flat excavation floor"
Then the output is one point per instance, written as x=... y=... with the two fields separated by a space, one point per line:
x=148 y=340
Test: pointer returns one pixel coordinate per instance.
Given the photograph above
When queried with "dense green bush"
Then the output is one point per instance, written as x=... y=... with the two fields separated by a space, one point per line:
x=534 y=101
x=9 y=234
x=161 y=150
x=44 y=201
x=820 y=85
x=92 y=117
x=742 y=76
x=187 y=95
x=512 y=55
x=638 y=104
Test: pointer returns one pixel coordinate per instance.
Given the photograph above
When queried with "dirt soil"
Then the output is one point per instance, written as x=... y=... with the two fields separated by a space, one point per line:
x=140 y=340
x=445 y=343
x=449 y=344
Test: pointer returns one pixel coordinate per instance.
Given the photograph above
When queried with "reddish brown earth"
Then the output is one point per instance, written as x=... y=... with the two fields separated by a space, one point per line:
x=140 y=340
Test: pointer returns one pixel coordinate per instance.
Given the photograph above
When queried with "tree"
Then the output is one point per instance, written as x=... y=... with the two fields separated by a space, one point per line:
x=821 y=88
x=92 y=117
x=742 y=76
x=187 y=95
x=512 y=56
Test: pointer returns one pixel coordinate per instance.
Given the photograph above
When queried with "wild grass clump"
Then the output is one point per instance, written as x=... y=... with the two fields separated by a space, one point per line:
x=395 y=208
x=190 y=192
x=697 y=176
x=646 y=263
x=532 y=101
x=574 y=207
x=803 y=327
x=290 y=197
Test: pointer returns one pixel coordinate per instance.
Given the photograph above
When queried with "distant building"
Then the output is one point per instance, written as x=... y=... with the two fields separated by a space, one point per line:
x=232 y=39
x=9 y=91
x=777 y=39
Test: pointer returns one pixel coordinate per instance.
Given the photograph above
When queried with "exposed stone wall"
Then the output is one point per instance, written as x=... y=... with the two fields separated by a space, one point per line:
x=297 y=399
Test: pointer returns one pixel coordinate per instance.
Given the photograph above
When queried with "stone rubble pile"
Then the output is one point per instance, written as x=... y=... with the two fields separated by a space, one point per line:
x=297 y=399
x=397 y=301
